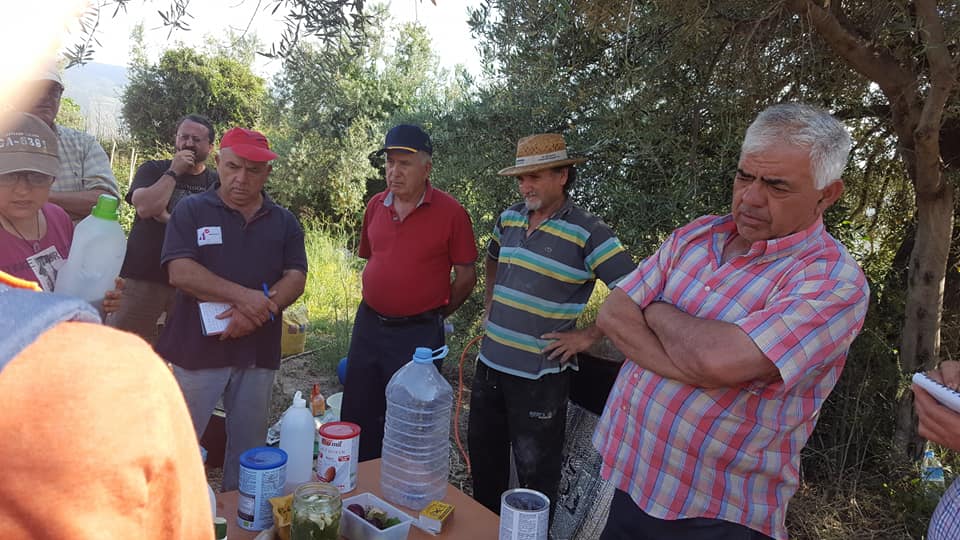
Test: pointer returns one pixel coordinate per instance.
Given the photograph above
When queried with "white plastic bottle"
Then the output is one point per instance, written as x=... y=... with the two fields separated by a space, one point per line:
x=297 y=433
x=96 y=254
x=416 y=439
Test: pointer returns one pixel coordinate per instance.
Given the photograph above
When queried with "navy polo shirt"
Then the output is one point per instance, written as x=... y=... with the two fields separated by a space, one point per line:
x=218 y=237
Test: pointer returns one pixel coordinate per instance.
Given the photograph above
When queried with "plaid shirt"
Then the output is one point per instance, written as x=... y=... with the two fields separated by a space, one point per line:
x=945 y=523
x=733 y=453
x=83 y=164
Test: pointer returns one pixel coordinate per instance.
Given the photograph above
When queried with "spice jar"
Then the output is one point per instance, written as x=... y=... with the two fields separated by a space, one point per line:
x=316 y=512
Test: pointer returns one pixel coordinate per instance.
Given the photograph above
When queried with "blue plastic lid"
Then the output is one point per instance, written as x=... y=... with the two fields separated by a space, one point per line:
x=424 y=355
x=263 y=457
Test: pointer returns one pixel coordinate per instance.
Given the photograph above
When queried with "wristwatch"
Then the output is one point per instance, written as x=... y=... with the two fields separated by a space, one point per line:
x=170 y=172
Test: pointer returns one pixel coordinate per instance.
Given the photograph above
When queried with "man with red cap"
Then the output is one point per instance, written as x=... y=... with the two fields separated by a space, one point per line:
x=235 y=246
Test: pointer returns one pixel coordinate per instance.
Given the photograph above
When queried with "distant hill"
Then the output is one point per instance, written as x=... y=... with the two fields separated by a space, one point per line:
x=97 y=89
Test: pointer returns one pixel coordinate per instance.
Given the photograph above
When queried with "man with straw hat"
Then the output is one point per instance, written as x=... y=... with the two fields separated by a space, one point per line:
x=542 y=263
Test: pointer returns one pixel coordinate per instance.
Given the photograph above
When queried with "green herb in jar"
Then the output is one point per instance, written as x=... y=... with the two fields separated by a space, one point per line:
x=316 y=512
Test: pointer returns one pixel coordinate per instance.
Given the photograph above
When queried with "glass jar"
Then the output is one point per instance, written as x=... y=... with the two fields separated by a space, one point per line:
x=316 y=512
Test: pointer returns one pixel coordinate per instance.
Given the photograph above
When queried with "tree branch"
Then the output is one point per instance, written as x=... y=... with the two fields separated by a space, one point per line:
x=942 y=78
x=876 y=64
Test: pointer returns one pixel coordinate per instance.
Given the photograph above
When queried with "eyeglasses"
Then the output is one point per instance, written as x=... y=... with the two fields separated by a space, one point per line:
x=32 y=179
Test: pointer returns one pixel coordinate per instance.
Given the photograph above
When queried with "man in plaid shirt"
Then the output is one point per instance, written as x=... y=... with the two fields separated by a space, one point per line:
x=736 y=331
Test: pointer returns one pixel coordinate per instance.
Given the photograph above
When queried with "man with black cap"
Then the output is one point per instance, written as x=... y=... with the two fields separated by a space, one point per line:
x=542 y=263
x=85 y=172
x=413 y=234
x=234 y=246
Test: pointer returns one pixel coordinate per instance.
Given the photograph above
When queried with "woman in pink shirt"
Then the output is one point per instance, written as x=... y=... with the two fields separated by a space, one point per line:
x=35 y=235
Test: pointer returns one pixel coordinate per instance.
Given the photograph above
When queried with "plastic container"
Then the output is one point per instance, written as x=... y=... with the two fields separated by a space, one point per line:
x=297 y=433
x=932 y=470
x=416 y=442
x=355 y=527
x=96 y=254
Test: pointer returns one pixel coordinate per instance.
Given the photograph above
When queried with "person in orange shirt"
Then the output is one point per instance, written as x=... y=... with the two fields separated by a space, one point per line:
x=98 y=441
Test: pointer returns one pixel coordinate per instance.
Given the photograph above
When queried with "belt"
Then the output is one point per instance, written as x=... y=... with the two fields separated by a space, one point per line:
x=426 y=316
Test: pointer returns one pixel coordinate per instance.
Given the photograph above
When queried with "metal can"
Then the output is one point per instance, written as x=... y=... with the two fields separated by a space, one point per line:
x=263 y=471
x=316 y=512
x=524 y=515
x=337 y=455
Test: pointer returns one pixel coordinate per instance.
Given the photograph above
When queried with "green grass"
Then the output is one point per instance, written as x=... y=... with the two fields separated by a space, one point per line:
x=332 y=293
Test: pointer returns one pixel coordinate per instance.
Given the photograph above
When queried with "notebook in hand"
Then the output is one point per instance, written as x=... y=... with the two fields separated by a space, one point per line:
x=944 y=394
x=209 y=322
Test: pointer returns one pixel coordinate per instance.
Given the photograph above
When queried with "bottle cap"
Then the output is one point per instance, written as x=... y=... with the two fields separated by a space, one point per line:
x=106 y=207
x=423 y=355
x=298 y=400
x=219 y=527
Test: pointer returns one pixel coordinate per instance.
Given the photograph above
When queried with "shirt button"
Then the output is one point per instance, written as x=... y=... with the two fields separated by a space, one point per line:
x=707 y=288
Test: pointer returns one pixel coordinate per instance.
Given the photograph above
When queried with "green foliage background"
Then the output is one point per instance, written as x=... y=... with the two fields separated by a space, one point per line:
x=657 y=95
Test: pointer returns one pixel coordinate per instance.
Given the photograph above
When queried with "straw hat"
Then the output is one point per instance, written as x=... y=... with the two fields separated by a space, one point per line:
x=539 y=152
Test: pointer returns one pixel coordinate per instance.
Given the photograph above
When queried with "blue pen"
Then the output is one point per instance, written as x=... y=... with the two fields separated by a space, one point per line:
x=266 y=292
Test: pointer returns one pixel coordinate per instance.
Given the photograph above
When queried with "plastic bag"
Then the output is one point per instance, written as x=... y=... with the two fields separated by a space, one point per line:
x=294 y=336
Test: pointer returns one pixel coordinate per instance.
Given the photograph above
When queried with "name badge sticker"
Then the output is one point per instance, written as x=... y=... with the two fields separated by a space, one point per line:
x=209 y=235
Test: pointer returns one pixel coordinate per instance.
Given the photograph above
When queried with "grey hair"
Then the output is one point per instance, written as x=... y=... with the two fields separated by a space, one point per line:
x=425 y=158
x=806 y=126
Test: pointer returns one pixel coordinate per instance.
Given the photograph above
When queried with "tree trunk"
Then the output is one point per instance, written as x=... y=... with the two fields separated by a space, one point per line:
x=920 y=342
x=918 y=95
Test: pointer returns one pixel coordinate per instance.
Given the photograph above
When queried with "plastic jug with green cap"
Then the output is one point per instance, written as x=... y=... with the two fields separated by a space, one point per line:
x=96 y=254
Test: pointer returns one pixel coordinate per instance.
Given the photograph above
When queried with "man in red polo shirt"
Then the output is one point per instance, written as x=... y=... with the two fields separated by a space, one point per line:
x=413 y=234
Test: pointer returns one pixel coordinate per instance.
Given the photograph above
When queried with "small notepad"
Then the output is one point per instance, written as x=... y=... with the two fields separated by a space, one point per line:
x=208 y=317
x=944 y=394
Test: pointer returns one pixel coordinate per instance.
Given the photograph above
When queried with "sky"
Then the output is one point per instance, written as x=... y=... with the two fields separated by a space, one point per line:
x=446 y=23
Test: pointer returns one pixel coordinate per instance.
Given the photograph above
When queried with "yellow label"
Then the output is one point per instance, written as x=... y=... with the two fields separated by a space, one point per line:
x=437 y=510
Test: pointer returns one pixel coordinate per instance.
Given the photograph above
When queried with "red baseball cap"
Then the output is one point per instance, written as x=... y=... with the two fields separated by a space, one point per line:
x=248 y=144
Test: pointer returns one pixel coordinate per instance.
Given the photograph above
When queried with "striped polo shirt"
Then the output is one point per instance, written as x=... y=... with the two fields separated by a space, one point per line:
x=733 y=453
x=544 y=281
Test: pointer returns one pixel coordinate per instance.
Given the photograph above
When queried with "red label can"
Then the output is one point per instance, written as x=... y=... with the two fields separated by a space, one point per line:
x=337 y=455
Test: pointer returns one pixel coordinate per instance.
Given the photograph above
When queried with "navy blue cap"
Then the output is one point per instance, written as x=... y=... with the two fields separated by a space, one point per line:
x=407 y=137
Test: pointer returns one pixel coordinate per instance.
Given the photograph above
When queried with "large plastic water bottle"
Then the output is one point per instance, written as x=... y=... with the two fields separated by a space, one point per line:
x=96 y=254
x=297 y=433
x=416 y=439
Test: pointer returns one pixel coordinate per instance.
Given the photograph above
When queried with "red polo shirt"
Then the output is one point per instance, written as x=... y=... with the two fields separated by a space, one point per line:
x=409 y=261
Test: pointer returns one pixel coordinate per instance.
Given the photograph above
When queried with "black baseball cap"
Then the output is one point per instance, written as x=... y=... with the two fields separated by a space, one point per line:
x=409 y=138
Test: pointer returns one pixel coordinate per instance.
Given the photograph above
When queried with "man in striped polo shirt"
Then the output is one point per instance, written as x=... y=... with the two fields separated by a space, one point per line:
x=542 y=263
x=736 y=331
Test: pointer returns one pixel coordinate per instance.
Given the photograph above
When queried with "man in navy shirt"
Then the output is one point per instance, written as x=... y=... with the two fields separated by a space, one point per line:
x=232 y=245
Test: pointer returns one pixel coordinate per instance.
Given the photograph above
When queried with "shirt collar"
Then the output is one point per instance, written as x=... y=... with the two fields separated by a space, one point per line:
x=425 y=198
x=562 y=211
x=776 y=247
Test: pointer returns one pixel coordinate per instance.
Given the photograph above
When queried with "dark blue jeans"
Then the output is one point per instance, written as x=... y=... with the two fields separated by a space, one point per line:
x=377 y=351
x=529 y=414
x=628 y=522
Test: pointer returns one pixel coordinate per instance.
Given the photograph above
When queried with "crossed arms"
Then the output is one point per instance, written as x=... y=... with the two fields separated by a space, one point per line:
x=675 y=345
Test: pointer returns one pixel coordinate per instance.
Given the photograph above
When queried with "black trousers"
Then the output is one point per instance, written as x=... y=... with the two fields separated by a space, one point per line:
x=377 y=351
x=628 y=522
x=529 y=414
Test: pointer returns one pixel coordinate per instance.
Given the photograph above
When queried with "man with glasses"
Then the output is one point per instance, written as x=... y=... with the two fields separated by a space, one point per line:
x=84 y=172
x=157 y=188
